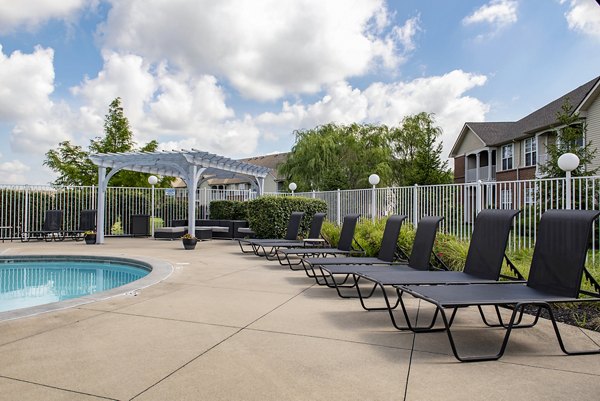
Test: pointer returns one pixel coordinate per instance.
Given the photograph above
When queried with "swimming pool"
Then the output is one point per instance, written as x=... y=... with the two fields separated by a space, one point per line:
x=39 y=280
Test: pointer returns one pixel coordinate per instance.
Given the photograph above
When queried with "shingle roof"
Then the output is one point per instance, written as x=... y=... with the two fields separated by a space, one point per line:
x=496 y=133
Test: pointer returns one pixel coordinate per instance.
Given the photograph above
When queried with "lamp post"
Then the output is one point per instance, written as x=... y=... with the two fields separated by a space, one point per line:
x=152 y=180
x=373 y=180
x=568 y=162
x=292 y=187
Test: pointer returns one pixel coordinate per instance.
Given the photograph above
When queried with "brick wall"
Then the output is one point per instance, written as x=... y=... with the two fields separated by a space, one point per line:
x=459 y=169
x=525 y=173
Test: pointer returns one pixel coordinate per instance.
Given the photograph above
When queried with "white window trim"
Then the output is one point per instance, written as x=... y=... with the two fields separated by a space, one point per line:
x=512 y=156
x=533 y=145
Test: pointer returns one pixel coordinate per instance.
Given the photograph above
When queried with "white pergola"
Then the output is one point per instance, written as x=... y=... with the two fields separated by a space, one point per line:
x=189 y=165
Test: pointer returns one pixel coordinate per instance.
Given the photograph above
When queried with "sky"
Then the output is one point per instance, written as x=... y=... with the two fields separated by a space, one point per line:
x=238 y=77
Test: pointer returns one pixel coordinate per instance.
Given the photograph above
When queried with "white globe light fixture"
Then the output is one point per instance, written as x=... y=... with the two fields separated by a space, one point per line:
x=292 y=187
x=152 y=180
x=373 y=180
x=568 y=162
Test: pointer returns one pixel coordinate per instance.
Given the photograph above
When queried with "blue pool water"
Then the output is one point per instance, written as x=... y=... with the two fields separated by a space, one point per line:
x=29 y=283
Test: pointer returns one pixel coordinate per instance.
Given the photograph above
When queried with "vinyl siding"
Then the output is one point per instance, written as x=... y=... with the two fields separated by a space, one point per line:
x=593 y=129
x=470 y=143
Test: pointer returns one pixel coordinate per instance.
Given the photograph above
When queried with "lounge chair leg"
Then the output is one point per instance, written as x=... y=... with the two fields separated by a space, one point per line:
x=409 y=325
x=559 y=337
x=362 y=297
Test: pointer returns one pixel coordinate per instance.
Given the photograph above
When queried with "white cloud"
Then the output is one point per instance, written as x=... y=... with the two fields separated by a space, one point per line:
x=13 y=172
x=32 y=13
x=181 y=109
x=498 y=13
x=264 y=48
x=27 y=82
x=584 y=16
x=387 y=103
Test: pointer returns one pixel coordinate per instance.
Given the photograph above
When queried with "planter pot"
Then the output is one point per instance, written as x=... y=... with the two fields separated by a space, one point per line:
x=90 y=239
x=189 y=243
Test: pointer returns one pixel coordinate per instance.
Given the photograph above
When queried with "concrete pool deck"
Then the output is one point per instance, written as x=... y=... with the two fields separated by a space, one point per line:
x=229 y=326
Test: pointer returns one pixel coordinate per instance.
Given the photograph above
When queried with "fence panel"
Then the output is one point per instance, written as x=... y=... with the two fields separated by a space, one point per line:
x=22 y=207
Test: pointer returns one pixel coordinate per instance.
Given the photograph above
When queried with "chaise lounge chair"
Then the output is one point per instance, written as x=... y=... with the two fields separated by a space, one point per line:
x=557 y=269
x=344 y=247
x=269 y=248
x=420 y=259
x=51 y=229
x=388 y=252
x=291 y=234
x=483 y=264
x=87 y=222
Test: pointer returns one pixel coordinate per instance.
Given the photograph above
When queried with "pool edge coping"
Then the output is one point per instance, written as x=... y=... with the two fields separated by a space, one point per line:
x=160 y=270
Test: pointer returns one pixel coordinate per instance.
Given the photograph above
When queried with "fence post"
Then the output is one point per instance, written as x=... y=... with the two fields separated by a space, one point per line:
x=339 y=208
x=25 y=227
x=478 y=197
x=415 y=205
x=313 y=194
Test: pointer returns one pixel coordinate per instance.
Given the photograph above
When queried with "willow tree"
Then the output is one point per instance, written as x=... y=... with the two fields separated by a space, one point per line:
x=333 y=156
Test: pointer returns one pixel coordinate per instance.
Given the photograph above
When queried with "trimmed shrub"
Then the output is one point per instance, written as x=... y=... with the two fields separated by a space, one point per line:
x=228 y=210
x=268 y=215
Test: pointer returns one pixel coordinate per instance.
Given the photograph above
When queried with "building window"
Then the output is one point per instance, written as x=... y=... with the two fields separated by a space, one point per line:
x=507 y=157
x=529 y=196
x=506 y=199
x=530 y=152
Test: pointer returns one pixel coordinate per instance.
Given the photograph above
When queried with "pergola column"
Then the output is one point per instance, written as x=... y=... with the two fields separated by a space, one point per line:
x=100 y=205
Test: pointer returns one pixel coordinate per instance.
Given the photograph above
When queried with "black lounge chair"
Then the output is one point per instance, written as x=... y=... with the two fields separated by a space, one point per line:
x=51 y=229
x=483 y=264
x=557 y=269
x=291 y=234
x=269 y=248
x=421 y=257
x=344 y=246
x=87 y=222
x=389 y=252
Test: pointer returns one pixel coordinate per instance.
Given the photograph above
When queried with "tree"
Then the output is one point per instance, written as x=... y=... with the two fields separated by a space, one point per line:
x=74 y=166
x=569 y=139
x=331 y=157
x=418 y=154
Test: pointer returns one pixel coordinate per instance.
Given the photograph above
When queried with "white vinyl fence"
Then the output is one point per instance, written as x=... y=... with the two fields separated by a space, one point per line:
x=22 y=208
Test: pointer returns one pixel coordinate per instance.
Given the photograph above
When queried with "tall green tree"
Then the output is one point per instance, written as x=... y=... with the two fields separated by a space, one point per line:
x=569 y=139
x=74 y=167
x=333 y=156
x=418 y=152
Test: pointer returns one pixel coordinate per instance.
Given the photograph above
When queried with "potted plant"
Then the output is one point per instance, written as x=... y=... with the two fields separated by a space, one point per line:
x=189 y=241
x=90 y=237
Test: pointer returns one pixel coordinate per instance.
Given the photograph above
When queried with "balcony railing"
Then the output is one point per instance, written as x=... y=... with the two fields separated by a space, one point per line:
x=483 y=174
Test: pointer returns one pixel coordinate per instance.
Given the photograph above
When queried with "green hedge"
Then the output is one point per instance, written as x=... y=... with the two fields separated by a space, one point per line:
x=268 y=215
x=228 y=210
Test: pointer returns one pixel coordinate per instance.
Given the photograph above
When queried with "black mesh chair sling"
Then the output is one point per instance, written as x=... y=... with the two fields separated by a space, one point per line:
x=557 y=269
x=269 y=248
x=291 y=234
x=483 y=264
x=51 y=228
x=344 y=246
x=87 y=222
x=387 y=252
x=421 y=258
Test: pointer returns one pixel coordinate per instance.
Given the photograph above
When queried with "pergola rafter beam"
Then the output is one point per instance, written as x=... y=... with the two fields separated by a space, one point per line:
x=185 y=164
